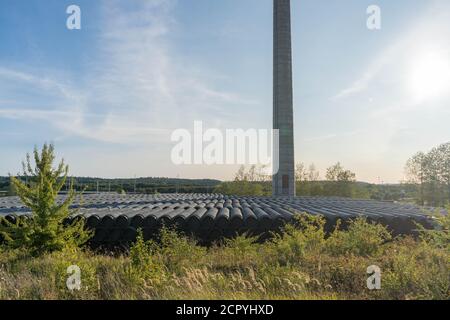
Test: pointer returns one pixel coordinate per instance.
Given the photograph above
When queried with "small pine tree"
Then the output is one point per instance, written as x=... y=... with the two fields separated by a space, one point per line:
x=45 y=230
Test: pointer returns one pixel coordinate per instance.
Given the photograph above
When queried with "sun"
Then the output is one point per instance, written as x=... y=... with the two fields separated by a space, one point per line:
x=430 y=76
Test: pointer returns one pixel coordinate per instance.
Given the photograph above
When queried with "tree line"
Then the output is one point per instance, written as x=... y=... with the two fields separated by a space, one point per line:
x=427 y=183
x=339 y=182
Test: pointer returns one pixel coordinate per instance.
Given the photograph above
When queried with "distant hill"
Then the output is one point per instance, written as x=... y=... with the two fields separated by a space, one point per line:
x=141 y=185
x=151 y=185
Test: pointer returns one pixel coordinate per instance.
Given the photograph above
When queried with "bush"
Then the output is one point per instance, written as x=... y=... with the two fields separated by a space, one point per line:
x=305 y=235
x=240 y=252
x=361 y=238
x=178 y=251
x=144 y=264
x=242 y=188
x=414 y=270
x=440 y=236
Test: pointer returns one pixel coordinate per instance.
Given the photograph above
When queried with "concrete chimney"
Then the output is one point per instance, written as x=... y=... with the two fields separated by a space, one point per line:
x=283 y=114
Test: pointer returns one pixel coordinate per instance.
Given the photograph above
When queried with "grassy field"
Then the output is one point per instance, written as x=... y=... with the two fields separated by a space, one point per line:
x=301 y=263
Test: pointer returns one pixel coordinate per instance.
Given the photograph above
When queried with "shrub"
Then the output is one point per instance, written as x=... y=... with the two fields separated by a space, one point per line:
x=241 y=251
x=345 y=274
x=440 y=236
x=242 y=188
x=414 y=270
x=178 y=251
x=362 y=238
x=144 y=264
x=305 y=235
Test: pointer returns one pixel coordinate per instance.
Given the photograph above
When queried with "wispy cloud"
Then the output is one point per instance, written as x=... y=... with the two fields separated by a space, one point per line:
x=137 y=88
x=332 y=136
x=45 y=83
x=371 y=72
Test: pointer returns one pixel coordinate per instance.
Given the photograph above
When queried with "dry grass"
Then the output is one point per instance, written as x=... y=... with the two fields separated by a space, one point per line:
x=302 y=263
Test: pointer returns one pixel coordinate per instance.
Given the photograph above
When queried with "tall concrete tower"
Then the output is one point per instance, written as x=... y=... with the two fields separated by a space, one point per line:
x=283 y=114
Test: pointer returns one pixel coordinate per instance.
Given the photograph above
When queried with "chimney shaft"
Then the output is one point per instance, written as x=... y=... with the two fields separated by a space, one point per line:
x=283 y=115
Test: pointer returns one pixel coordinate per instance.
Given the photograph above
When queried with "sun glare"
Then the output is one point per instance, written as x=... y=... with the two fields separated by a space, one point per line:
x=430 y=76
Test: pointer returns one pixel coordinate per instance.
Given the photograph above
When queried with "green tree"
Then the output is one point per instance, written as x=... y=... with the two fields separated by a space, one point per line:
x=313 y=174
x=301 y=174
x=340 y=181
x=307 y=180
x=251 y=182
x=430 y=173
x=415 y=171
x=339 y=174
x=444 y=169
x=45 y=230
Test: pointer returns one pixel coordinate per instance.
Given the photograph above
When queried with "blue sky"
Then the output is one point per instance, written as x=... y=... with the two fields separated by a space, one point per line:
x=109 y=95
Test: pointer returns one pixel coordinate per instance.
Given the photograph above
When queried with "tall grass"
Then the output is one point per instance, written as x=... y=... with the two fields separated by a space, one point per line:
x=301 y=263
